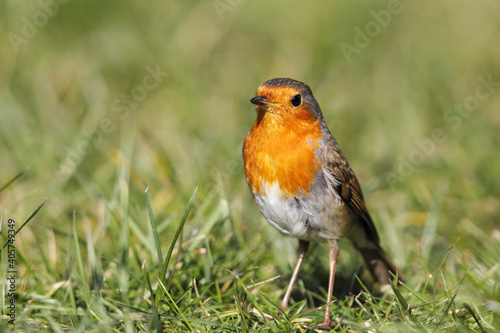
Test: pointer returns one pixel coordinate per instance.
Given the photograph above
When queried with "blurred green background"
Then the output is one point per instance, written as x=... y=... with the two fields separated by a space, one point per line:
x=81 y=112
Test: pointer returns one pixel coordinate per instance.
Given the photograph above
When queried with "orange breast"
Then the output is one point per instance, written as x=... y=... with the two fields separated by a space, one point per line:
x=282 y=150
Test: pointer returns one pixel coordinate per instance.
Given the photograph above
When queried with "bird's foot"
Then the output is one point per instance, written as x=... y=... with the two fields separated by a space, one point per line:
x=327 y=325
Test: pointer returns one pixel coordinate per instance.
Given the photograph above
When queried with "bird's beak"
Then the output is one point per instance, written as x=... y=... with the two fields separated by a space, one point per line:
x=261 y=100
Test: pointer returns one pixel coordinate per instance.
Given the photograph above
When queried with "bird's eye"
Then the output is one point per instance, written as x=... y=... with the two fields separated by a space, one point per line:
x=296 y=100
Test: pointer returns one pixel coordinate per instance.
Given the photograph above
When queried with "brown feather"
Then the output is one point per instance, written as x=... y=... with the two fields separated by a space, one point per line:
x=348 y=188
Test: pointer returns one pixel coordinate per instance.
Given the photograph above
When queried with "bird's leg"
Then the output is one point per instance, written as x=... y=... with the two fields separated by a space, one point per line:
x=303 y=247
x=333 y=253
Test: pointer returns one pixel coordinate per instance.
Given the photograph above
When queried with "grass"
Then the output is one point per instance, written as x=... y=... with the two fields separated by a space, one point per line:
x=120 y=150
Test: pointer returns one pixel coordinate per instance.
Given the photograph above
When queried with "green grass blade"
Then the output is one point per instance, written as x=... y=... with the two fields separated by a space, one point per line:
x=177 y=233
x=248 y=296
x=79 y=261
x=11 y=181
x=473 y=314
x=452 y=299
x=177 y=259
x=430 y=228
x=174 y=305
x=153 y=225
x=401 y=300
x=97 y=276
x=27 y=220
x=438 y=273
x=416 y=293
x=156 y=316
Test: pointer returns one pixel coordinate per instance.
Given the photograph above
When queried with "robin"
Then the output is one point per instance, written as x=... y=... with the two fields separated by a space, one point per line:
x=302 y=182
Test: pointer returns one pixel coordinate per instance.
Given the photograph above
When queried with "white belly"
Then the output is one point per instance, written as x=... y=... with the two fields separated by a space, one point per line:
x=311 y=218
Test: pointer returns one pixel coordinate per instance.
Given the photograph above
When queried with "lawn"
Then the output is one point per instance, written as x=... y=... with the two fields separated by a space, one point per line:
x=124 y=206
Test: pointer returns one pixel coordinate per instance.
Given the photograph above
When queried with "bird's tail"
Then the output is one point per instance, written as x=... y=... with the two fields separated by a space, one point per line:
x=380 y=264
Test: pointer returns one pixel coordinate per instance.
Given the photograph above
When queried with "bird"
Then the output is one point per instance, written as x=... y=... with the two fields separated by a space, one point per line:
x=303 y=184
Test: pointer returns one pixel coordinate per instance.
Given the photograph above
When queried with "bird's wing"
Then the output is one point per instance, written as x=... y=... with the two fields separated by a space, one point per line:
x=347 y=188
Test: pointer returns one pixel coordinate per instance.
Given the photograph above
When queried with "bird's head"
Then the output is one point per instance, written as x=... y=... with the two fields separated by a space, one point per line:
x=284 y=99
